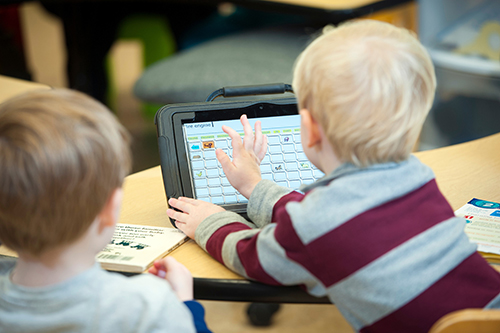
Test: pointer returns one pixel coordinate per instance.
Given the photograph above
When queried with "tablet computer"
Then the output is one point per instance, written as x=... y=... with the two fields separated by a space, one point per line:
x=189 y=134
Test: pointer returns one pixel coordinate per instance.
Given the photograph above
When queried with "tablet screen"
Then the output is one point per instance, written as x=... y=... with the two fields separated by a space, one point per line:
x=285 y=162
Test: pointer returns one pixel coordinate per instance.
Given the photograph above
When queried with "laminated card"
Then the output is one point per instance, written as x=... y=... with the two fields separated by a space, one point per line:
x=483 y=226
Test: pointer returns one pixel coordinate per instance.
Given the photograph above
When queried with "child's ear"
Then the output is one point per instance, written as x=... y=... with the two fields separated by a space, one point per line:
x=109 y=214
x=311 y=128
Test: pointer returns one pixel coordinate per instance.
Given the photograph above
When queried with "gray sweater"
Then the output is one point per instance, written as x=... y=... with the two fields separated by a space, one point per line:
x=94 y=301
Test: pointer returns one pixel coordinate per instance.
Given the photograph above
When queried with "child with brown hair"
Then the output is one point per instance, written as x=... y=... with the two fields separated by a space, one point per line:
x=375 y=234
x=63 y=160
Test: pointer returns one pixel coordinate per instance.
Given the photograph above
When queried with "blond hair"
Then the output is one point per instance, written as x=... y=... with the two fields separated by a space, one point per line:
x=62 y=155
x=370 y=86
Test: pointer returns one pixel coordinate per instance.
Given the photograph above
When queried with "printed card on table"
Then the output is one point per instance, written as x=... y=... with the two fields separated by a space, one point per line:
x=483 y=224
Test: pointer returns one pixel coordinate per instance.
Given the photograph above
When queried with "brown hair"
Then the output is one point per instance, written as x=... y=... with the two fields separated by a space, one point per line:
x=370 y=85
x=62 y=155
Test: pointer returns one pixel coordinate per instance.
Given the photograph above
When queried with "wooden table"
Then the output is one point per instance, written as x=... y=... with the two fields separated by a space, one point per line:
x=333 y=8
x=327 y=4
x=467 y=170
x=10 y=87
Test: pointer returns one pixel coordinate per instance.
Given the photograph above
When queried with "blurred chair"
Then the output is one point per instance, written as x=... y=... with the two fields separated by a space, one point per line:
x=468 y=321
x=243 y=58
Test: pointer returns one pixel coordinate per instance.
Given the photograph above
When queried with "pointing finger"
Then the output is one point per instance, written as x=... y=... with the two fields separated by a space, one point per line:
x=224 y=161
x=235 y=139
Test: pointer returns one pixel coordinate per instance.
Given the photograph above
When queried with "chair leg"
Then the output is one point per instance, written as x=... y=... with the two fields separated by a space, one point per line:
x=260 y=314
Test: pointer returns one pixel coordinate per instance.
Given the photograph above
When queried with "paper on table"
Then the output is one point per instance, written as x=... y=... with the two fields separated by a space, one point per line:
x=483 y=224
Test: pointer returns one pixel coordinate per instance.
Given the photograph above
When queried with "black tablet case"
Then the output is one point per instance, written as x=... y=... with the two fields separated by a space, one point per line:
x=170 y=118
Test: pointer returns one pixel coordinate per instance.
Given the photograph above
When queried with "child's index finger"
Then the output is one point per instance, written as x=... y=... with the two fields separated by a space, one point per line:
x=235 y=138
x=224 y=161
x=231 y=132
x=183 y=204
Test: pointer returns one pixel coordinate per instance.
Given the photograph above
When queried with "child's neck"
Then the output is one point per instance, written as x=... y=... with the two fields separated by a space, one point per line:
x=325 y=158
x=49 y=271
x=55 y=265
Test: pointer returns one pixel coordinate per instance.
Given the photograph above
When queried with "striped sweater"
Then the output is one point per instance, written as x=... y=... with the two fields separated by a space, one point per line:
x=381 y=242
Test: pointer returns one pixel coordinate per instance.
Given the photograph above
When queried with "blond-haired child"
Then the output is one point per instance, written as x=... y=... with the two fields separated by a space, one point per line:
x=63 y=160
x=375 y=234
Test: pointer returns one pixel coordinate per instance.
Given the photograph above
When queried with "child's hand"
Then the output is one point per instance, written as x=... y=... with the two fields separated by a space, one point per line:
x=193 y=213
x=244 y=171
x=176 y=274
